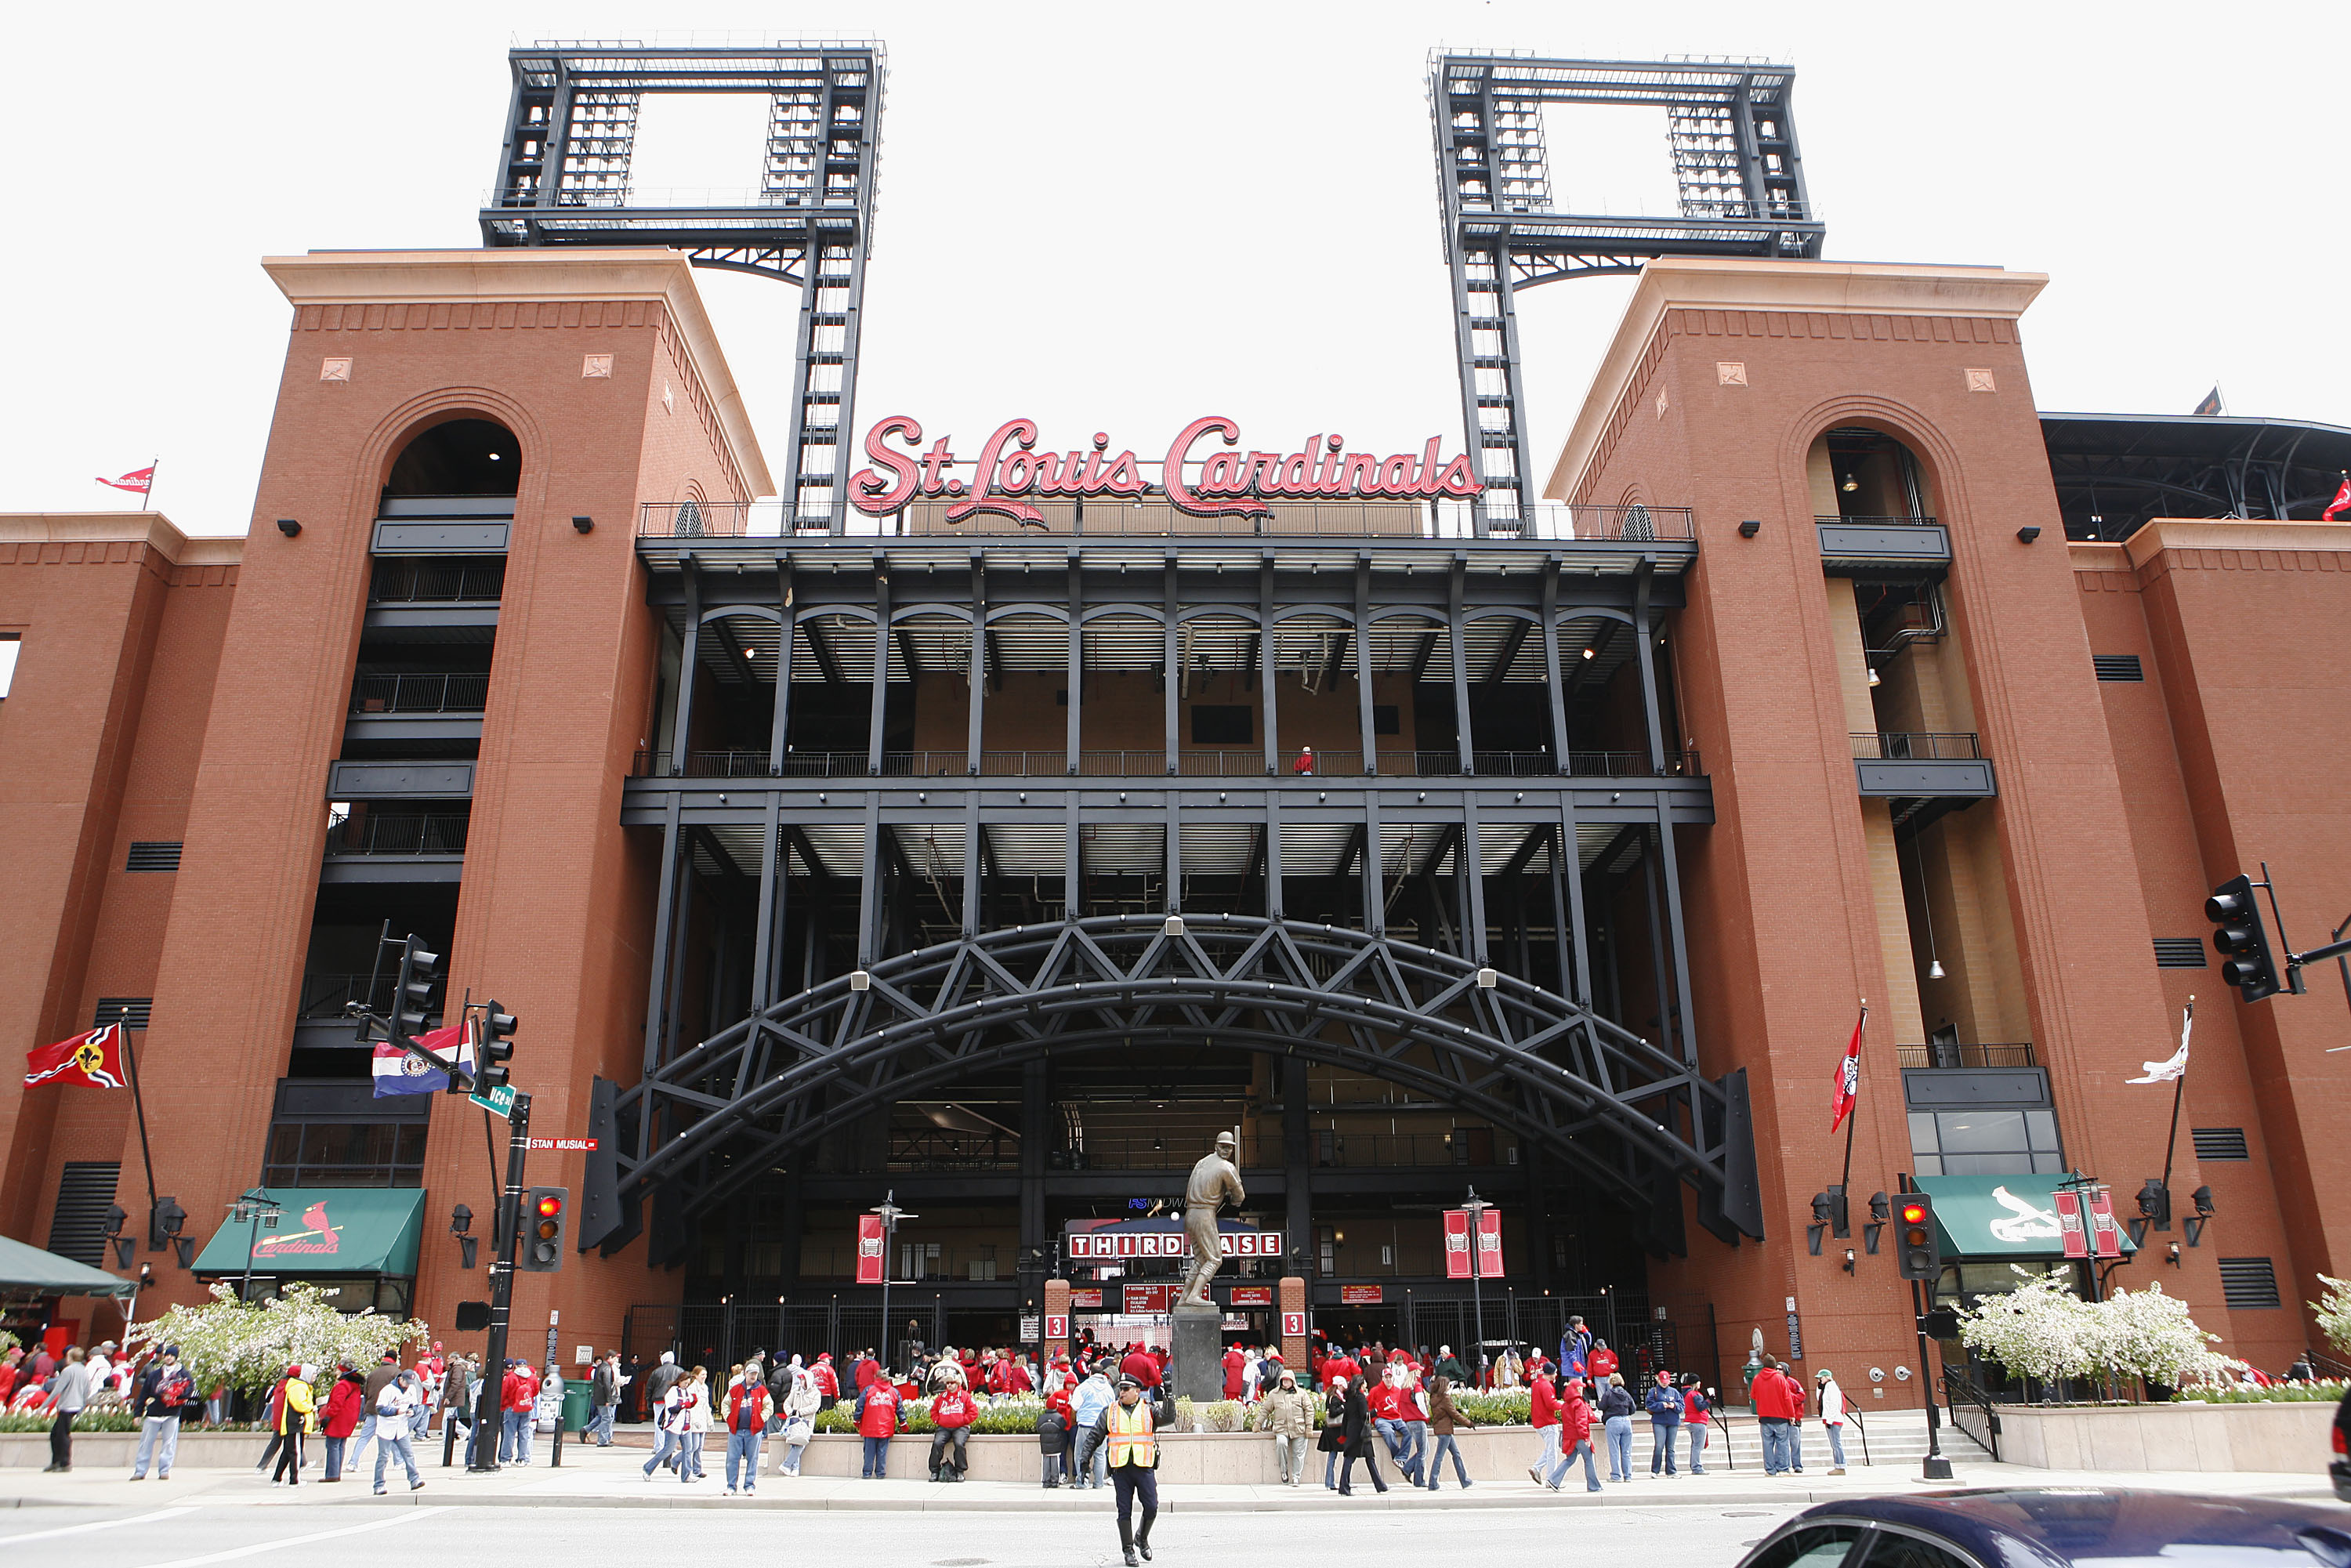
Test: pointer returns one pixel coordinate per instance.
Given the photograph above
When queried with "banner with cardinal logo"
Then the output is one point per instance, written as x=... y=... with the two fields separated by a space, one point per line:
x=93 y=1059
x=869 y=1260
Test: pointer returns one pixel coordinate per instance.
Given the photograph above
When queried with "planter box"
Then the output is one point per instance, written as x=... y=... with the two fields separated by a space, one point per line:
x=1210 y=1458
x=115 y=1450
x=2288 y=1436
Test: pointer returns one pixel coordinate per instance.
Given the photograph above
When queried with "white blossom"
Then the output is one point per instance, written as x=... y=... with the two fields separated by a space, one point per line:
x=250 y=1347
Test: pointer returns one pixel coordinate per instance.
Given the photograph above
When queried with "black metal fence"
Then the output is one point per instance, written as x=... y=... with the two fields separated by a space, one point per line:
x=403 y=833
x=461 y=693
x=427 y=581
x=1952 y=1053
x=1103 y=764
x=1917 y=746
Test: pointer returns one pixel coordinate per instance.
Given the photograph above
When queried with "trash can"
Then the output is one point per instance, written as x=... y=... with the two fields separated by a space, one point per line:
x=574 y=1404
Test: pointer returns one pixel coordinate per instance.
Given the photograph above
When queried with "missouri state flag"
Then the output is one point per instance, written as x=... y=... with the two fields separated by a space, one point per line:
x=94 y=1059
x=397 y=1072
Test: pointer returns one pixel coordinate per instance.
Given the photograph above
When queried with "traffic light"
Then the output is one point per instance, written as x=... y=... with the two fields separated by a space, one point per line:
x=2242 y=940
x=496 y=1049
x=546 y=1217
x=412 y=997
x=1916 y=1247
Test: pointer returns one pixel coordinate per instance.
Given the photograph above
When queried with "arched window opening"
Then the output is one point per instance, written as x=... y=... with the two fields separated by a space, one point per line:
x=458 y=457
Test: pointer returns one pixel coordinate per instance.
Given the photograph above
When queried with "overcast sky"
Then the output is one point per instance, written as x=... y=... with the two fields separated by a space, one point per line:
x=1118 y=217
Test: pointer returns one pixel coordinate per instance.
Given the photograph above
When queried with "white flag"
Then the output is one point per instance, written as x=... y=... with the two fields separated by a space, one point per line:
x=2165 y=1071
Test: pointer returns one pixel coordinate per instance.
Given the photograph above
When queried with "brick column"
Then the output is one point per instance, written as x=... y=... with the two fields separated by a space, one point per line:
x=1057 y=1305
x=1291 y=1298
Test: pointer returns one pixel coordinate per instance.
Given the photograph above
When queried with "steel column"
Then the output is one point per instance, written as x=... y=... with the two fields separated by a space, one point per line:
x=879 y=717
x=1465 y=738
x=1076 y=597
x=1646 y=636
x=1365 y=725
x=1267 y=665
x=780 y=719
x=687 y=668
x=1553 y=686
x=976 y=668
x=1171 y=677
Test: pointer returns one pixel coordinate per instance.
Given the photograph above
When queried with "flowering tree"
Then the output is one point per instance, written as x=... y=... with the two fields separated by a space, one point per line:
x=2334 y=1309
x=2146 y=1334
x=2040 y=1329
x=250 y=1347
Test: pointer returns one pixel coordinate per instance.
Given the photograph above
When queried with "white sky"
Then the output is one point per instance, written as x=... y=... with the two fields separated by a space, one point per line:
x=1118 y=217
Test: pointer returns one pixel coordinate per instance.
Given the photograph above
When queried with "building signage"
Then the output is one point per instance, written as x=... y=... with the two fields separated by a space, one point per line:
x=1293 y=1325
x=1116 y=1244
x=1458 y=1263
x=1360 y=1295
x=563 y=1145
x=1029 y=1329
x=869 y=1260
x=1085 y=1301
x=318 y=1236
x=1057 y=1324
x=1252 y=1295
x=1142 y=1300
x=1009 y=472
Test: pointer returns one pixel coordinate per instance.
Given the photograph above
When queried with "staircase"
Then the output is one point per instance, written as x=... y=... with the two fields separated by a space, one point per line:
x=1896 y=1438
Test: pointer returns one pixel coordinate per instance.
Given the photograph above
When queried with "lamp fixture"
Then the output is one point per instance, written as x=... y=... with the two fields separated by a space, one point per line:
x=2171 y=1255
x=1750 y=529
x=1487 y=979
x=1850 y=485
x=1873 y=678
x=585 y=524
x=2028 y=533
x=1926 y=914
x=1174 y=926
x=1848 y=1260
x=860 y=980
x=1588 y=654
x=289 y=526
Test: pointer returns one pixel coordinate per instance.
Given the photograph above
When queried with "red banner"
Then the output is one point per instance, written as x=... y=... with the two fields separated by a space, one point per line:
x=1457 y=1243
x=1144 y=1299
x=1252 y=1295
x=869 y=1260
x=1085 y=1300
x=1360 y=1295
x=2105 y=1236
x=1490 y=1244
x=2069 y=1223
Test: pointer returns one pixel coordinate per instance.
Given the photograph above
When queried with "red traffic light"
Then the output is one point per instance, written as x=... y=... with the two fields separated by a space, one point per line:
x=549 y=1205
x=1914 y=1213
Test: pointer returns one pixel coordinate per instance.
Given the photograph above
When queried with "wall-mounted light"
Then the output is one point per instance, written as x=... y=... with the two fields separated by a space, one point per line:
x=860 y=980
x=1173 y=927
x=1751 y=528
x=1488 y=979
x=289 y=526
x=1848 y=1260
x=585 y=524
x=2028 y=533
x=1850 y=485
x=1874 y=680
x=2171 y=1255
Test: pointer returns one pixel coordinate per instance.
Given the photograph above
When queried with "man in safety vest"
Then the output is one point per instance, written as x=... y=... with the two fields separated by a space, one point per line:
x=1127 y=1433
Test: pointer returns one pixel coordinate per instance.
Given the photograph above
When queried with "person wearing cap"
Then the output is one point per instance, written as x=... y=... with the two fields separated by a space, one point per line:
x=877 y=1423
x=1285 y=1413
x=1832 y=1403
x=1698 y=1418
x=165 y=1390
x=396 y=1428
x=1128 y=1434
x=1088 y=1465
x=1664 y=1403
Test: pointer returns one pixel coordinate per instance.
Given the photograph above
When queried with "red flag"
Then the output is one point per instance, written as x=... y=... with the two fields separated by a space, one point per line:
x=94 y=1059
x=2341 y=502
x=1849 y=1077
x=139 y=481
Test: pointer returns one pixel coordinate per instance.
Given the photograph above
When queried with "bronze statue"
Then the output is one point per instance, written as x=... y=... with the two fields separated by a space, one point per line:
x=1214 y=1180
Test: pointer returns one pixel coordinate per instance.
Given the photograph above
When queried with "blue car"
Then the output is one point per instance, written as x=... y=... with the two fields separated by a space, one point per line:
x=2058 y=1527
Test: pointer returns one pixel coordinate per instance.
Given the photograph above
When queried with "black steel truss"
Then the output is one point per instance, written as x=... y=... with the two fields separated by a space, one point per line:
x=1634 y=1119
x=563 y=180
x=1733 y=139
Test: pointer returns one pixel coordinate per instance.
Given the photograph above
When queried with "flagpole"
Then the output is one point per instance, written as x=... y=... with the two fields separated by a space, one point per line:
x=146 y=1155
x=146 y=497
x=2178 y=1089
x=1844 y=1182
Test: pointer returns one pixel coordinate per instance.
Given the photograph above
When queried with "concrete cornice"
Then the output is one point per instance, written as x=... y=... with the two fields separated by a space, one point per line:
x=152 y=529
x=1832 y=287
x=2161 y=534
x=495 y=277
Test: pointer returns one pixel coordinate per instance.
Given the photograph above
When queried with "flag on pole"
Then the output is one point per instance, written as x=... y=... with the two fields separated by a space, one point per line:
x=2177 y=1067
x=2341 y=502
x=139 y=481
x=1849 y=1077
x=397 y=1072
x=2212 y=403
x=94 y=1059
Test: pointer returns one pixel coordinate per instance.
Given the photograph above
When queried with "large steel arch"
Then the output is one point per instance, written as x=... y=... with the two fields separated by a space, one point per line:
x=1633 y=1119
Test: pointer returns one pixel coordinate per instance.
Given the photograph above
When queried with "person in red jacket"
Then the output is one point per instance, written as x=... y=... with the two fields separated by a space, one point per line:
x=1338 y=1366
x=341 y=1419
x=827 y=1381
x=1141 y=1366
x=1542 y=1409
x=748 y=1405
x=953 y=1412
x=877 y=1423
x=1779 y=1404
x=1574 y=1437
x=1236 y=1363
x=868 y=1369
x=1603 y=1361
x=517 y=1399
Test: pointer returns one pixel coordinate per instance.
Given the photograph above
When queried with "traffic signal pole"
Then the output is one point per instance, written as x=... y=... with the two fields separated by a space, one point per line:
x=1937 y=1467
x=492 y=1397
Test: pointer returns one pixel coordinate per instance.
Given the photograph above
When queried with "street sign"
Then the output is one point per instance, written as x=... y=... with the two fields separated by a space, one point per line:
x=564 y=1145
x=498 y=1101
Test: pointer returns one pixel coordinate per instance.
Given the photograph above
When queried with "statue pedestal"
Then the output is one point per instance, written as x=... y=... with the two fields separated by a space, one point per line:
x=1197 y=1365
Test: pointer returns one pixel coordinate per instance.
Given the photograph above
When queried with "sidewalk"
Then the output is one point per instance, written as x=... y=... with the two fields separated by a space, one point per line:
x=613 y=1477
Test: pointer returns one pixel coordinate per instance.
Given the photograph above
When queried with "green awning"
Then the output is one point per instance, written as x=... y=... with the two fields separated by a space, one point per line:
x=326 y=1231
x=27 y=1268
x=1999 y=1217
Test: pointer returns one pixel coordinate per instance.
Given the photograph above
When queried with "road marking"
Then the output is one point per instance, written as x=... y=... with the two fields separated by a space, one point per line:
x=102 y=1525
x=234 y=1552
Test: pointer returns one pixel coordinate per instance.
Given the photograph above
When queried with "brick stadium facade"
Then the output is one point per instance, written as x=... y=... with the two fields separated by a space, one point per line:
x=1862 y=748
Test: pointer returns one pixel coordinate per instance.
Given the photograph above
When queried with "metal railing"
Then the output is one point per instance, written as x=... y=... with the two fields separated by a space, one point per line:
x=463 y=693
x=1952 y=1053
x=1970 y=1410
x=406 y=833
x=1190 y=764
x=398 y=582
x=1153 y=517
x=1860 y=522
x=1917 y=746
x=327 y=994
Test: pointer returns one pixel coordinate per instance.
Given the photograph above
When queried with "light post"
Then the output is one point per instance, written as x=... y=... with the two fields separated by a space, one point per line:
x=891 y=1214
x=253 y=1210
x=1477 y=1207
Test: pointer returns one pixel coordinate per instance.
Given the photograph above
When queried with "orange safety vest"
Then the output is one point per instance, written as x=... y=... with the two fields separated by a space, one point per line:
x=1133 y=1438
